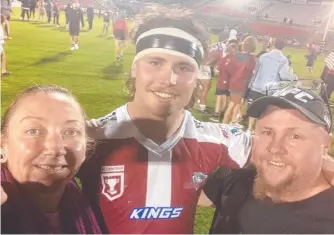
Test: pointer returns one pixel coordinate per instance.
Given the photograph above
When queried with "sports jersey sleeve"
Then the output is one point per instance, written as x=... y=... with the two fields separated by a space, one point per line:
x=237 y=142
x=101 y=128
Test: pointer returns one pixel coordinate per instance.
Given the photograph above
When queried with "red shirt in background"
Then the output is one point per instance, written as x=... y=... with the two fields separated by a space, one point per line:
x=120 y=24
x=223 y=82
x=240 y=71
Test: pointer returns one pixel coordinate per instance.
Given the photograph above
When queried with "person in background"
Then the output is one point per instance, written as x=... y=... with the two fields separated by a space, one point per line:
x=271 y=67
x=6 y=10
x=90 y=17
x=310 y=62
x=240 y=71
x=215 y=51
x=25 y=8
x=48 y=9
x=32 y=8
x=287 y=189
x=121 y=35
x=75 y=17
x=266 y=46
x=4 y=71
x=43 y=144
x=327 y=76
x=222 y=90
x=106 y=23
x=41 y=10
x=56 y=13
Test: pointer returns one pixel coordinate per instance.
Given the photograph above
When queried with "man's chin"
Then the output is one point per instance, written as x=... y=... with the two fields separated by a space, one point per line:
x=270 y=188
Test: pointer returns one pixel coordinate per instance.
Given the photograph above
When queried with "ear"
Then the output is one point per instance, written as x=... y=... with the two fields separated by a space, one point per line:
x=328 y=140
x=134 y=70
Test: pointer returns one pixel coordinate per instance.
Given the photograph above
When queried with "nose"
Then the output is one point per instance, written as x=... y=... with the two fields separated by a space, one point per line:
x=54 y=144
x=168 y=76
x=276 y=145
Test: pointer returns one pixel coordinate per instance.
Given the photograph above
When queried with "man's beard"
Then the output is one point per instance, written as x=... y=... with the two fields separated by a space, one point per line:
x=262 y=190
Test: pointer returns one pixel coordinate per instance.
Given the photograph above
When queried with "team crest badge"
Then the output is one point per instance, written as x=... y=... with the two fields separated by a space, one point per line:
x=112 y=178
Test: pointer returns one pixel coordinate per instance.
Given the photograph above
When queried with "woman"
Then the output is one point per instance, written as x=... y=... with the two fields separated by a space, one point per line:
x=43 y=146
x=222 y=90
x=240 y=72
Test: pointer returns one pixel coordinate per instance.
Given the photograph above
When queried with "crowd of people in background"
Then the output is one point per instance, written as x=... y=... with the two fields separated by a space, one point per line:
x=243 y=77
x=152 y=157
x=49 y=11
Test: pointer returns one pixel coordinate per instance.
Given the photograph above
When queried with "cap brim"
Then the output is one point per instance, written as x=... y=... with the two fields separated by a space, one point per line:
x=256 y=109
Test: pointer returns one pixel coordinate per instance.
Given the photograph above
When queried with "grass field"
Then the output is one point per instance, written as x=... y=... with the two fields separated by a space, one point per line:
x=39 y=53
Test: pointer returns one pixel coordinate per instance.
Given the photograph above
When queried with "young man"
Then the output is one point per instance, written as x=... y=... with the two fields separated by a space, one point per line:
x=106 y=23
x=153 y=156
x=90 y=17
x=271 y=67
x=75 y=17
x=286 y=191
x=56 y=13
x=120 y=33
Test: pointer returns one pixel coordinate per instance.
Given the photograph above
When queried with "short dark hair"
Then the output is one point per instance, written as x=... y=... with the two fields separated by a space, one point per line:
x=279 y=44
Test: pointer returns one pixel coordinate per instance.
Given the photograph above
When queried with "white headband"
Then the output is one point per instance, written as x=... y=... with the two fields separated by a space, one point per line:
x=183 y=44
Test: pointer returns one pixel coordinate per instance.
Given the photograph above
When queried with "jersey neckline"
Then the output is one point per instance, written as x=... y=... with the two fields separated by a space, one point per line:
x=148 y=143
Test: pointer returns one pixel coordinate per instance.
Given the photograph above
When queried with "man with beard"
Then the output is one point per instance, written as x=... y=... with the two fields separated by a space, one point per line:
x=286 y=190
x=153 y=156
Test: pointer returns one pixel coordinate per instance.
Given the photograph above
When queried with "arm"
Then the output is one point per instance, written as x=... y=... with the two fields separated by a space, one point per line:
x=284 y=72
x=324 y=74
x=213 y=187
x=236 y=142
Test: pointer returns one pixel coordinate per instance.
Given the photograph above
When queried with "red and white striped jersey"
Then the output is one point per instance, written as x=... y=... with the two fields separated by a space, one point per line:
x=143 y=187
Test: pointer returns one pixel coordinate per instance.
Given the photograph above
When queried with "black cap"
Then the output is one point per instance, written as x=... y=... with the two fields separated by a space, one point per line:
x=305 y=101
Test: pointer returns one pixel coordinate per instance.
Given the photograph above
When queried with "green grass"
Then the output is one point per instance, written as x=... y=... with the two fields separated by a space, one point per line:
x=39 y=53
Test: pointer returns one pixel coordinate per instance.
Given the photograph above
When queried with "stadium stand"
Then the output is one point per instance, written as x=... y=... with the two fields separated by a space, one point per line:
x=300 y=14
x=242 y=8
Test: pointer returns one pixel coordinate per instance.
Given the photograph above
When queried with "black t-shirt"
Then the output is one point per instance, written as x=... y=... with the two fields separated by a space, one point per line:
x=312 y=215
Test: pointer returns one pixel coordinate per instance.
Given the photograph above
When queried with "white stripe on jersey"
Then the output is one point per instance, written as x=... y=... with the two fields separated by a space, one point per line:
x=159 y=179
x=330 y=61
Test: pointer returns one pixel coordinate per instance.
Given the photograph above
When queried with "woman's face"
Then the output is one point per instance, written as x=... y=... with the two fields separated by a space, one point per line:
x=46 y=139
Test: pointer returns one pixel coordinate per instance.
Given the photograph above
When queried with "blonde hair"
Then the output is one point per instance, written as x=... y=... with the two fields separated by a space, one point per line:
x=249 y=44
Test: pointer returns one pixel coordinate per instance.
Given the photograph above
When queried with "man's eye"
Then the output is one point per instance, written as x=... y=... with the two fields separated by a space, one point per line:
x=268 y=133
x=295 y=137
x=154 y=63
x=33 y=132
x=72 y=132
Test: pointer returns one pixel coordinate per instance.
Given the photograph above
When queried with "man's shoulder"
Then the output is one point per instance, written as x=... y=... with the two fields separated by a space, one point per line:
x=204 y=131
x=106 y=127
x=209 y=131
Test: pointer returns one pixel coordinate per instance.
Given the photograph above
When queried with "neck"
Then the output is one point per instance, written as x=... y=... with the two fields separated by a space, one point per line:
x=156 y=128
x=301 y=193
x=47 y=202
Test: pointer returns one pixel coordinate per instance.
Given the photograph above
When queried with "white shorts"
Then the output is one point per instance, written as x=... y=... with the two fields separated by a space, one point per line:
x=204 y=73
x=1 y=48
